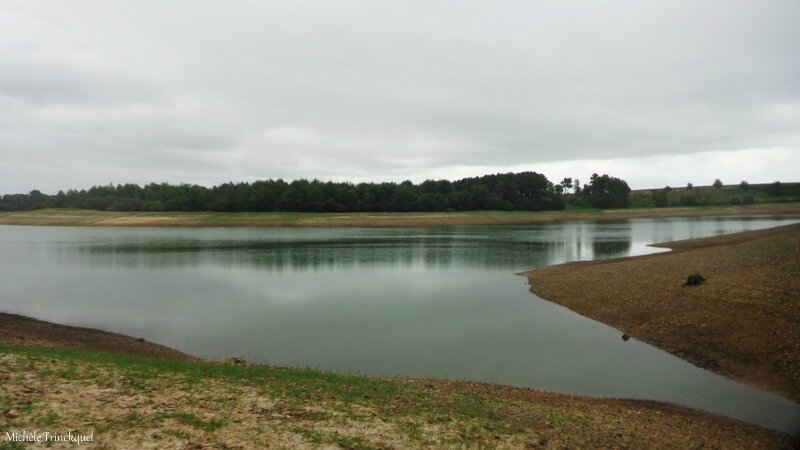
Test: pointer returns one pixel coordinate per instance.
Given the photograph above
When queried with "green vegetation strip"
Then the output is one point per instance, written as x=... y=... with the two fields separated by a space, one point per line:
x=296 y=389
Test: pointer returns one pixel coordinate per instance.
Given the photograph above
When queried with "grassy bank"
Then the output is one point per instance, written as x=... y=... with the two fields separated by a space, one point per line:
x=723 y=195
x=64 y=217
x=742 y=322
x=135 y=402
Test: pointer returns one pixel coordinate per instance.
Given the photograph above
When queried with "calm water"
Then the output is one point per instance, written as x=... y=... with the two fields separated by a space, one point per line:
x=432 y=302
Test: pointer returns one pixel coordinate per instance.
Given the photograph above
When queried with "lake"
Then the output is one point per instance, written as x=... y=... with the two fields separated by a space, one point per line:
x=422 y=302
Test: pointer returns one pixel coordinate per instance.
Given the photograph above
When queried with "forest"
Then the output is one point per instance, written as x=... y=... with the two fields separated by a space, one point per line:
x=529 y=191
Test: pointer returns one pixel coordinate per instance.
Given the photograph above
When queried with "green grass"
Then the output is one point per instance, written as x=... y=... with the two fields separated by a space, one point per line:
x=296 y=388
x=143 y=368
x=190 y=419
x=139 y=373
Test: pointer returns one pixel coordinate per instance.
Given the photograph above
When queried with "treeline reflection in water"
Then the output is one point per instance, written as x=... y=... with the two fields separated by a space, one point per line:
x=435 y=251
x=515 y=247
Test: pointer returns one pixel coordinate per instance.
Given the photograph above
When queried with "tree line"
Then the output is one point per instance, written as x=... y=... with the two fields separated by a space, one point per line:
x=528 y=191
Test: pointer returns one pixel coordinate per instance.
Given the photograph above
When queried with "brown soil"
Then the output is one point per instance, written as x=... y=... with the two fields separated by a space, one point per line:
x=742 y=322
x=20 y=330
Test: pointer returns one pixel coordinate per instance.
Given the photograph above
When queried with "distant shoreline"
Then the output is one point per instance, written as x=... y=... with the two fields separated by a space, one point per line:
x=89 y=218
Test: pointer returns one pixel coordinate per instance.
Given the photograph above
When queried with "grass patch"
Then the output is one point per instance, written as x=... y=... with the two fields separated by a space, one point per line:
x=303 y=384
x=192 y=420
x=180 y=434
x=298 y=388
x=50 y=418
x=348 y=442
x=704 y=196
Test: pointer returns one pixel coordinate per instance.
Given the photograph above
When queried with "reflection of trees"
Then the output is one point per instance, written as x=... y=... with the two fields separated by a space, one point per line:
x=610 y=249
x=431 y=252
x=492 y=248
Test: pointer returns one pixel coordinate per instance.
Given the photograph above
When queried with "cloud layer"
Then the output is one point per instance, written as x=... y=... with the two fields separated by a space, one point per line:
x=206 y=92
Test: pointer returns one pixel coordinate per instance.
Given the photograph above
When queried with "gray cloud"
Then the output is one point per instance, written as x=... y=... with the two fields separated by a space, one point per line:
x=194 y=91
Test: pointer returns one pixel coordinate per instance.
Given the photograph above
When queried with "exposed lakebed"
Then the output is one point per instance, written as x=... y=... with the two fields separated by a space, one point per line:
x=424 y=302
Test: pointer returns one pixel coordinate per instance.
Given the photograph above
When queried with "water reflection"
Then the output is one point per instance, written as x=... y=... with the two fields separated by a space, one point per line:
x=611 y=249
x=506 y=248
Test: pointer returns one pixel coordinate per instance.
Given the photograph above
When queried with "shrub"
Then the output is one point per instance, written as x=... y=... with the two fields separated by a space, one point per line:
x=100 y=204
x=152 y=205
x=748 y=200
x=776 y=189
x=607 y=192
x=554 y=204
x=688 y=200
x=660 y=199
x=736 y=201
x=126 y=204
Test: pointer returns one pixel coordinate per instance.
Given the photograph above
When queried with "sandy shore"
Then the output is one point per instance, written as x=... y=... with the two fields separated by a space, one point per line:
x=134 y=402
x=66 y=217
x=742 y=322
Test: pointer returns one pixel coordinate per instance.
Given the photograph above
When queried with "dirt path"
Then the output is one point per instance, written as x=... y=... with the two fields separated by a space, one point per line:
x=742 y=322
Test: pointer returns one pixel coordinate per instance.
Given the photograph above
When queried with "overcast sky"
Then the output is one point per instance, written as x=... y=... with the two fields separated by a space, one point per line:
x=207 y=92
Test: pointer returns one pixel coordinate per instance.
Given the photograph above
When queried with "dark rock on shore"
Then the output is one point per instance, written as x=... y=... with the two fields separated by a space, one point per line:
x=694 y=279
